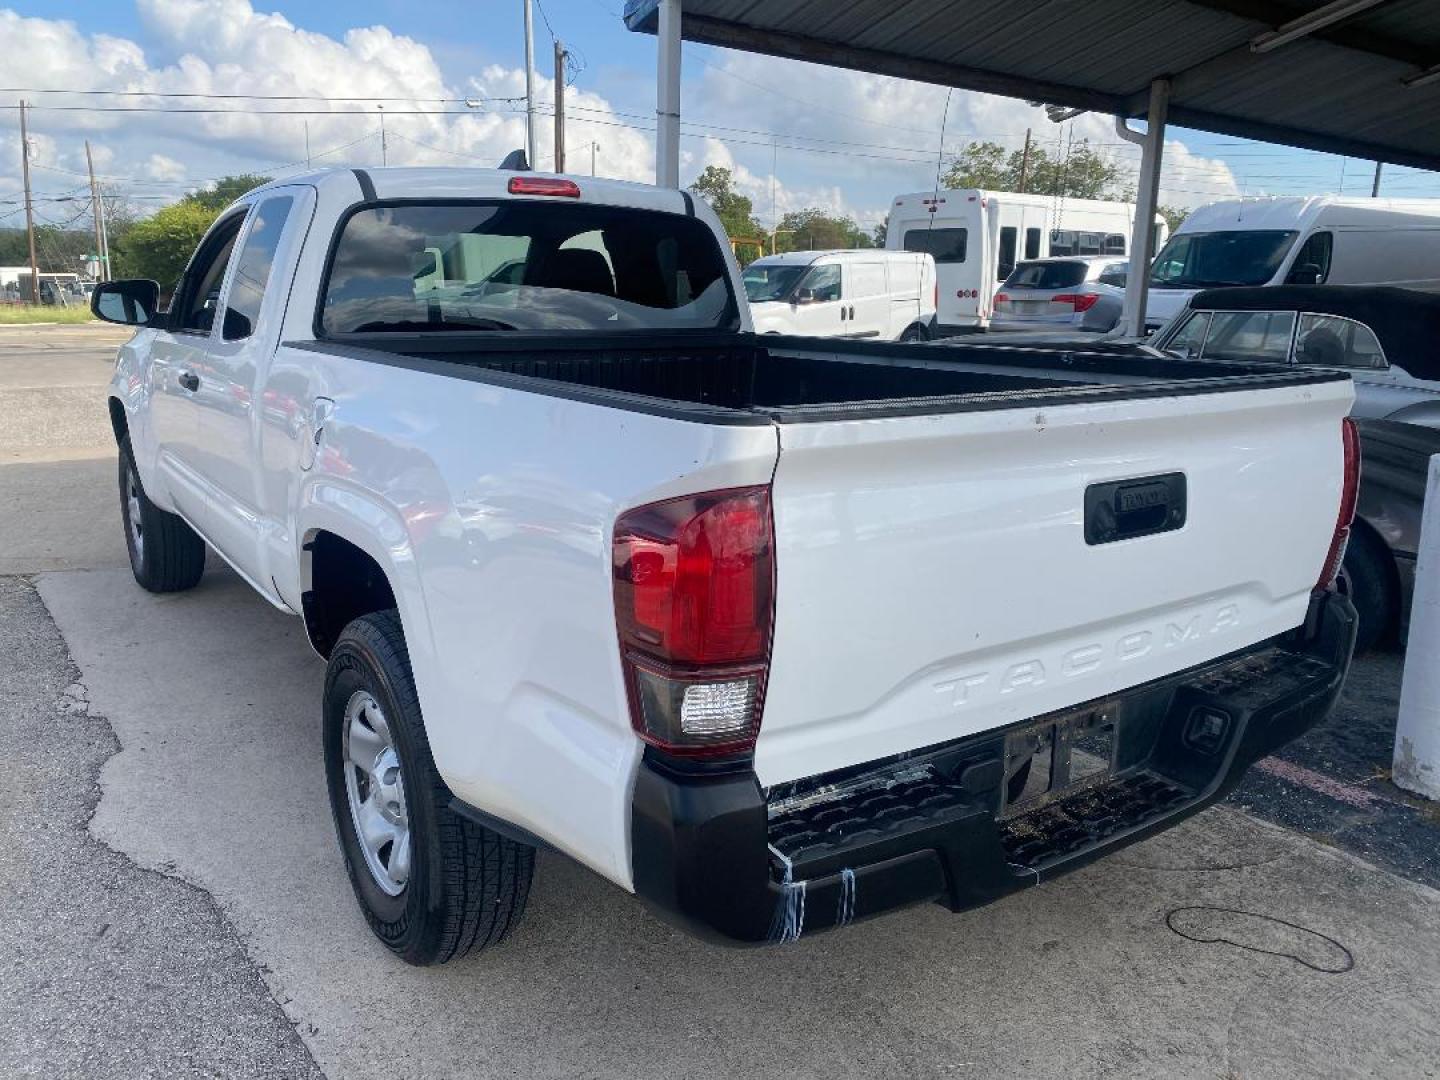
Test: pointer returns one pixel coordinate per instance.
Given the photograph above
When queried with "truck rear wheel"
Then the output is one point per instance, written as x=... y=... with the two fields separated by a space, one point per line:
x=433 y=885
x=1366 y=579
x=166 y=555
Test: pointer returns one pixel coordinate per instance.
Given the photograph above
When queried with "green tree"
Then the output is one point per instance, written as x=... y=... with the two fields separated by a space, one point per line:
x=226 y=190
x=815 y=230
x=158 y=247
x=980 y=165
x=878 y=234
x=1173 y=215
x=735 y=211
x=1079 y=173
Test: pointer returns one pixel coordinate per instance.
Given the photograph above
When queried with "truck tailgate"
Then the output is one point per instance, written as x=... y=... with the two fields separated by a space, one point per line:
x=935 y=577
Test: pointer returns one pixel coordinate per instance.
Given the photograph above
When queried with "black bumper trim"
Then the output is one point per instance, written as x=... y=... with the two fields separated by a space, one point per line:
x=702 y=842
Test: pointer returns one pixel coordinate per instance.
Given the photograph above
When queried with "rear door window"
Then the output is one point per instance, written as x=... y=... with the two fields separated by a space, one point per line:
x=1114 y=274
x=1008 y=236
x=524 y=265
x=1032 y=243
x=252 y=267
x=946 y=245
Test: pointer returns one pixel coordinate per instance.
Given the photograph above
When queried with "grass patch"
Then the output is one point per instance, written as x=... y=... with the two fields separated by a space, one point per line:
x=23 y=315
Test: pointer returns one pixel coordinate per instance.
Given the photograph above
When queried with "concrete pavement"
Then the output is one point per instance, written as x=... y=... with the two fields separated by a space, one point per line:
x=1229 y=947
x=213 y=695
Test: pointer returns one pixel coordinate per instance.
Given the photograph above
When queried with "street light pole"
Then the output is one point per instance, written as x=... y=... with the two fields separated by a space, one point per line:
x=532 y=143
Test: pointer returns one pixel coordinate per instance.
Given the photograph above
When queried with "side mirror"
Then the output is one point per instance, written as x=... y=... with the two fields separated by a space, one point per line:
x=1307 y=274
x=129 y=303
x=805 y=296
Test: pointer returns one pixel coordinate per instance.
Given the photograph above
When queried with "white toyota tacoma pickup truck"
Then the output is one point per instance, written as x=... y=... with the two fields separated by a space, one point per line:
x=776 y=633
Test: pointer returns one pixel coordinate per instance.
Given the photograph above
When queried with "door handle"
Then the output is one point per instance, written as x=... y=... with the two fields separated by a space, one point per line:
x=189 y=380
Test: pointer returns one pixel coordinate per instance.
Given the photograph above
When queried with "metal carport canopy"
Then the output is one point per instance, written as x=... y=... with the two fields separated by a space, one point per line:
x=1356 y=86
x=1359 y=78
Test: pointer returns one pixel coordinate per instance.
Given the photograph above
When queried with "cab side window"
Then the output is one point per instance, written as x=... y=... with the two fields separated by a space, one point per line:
x=199 y=292
x=823 y=282
x=1330 y=341
x=1314 y=256
x=1190 y=338
x=252 y=267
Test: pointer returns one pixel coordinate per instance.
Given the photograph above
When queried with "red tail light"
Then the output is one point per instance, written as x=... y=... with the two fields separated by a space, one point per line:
x=543 y=185
x=1349 y=493
x=1079 y=301
x=694 y=586
x=937 y=294
x=1001 y=298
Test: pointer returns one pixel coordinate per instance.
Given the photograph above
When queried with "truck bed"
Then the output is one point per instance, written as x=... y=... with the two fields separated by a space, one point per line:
x=745 y=378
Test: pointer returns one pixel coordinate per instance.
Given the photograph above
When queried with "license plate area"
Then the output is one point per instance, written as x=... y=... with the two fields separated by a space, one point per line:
x=1058 y=756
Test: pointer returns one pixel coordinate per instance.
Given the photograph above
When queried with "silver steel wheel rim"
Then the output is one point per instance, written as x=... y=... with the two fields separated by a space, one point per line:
x=375 y=791
x=132 y=512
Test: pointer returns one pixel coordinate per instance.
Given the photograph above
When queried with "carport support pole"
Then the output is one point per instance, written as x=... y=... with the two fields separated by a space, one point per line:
x=1142 y=238
x=667 y=97
x=1417 y=735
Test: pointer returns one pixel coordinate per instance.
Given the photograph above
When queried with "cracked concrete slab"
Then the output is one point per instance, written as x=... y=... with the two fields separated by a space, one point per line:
x=214 y=696
x=106 y=970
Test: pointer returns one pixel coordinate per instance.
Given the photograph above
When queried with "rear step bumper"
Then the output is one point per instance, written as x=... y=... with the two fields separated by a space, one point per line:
x=712 y=856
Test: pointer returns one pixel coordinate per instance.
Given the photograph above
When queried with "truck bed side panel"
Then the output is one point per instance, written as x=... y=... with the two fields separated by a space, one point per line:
x=934 y=578
x=502 y=503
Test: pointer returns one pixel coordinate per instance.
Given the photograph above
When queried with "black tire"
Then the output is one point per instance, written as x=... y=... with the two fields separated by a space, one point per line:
x=467 y=885
x=1366 y=578
x=166 y=555
x=914 y=333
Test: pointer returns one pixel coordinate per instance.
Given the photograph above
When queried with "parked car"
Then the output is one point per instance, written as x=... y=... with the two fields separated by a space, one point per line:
x=1083 y=293
x=1378 y=573
x=1387 y=339
x=775 y=634
x=978 y=237
x=1297 y=240
x=867 y=293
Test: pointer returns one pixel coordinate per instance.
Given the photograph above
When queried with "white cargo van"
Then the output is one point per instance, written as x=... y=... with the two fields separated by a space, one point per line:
x=977 y=237
x=1297 y=240
x=865 y=293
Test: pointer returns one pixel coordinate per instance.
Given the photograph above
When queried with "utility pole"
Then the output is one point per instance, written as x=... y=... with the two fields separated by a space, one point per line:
x=384 y=148
x=1025 y=163
x=97 y=212
x=29 y=206
x=1375 y=186
x=593 y=147
x=307 y=144
x=532 y=144
x=560 y=107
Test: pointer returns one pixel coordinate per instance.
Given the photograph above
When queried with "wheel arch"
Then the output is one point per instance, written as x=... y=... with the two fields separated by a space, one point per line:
x=119 y=421
x=341 y=580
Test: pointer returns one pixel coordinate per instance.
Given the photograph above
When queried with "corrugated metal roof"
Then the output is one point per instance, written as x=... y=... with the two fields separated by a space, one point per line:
x=1338 y=89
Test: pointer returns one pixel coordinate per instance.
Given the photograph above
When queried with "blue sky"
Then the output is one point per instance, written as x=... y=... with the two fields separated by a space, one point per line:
x=796 y=135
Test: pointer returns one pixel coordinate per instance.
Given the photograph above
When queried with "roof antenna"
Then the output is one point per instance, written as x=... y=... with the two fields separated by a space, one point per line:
x=515 y=161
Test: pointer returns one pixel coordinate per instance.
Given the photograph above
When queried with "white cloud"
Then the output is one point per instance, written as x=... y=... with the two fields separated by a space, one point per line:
x=160 y=167
x=852 y=140
x=228 y=47
x=875 y=136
